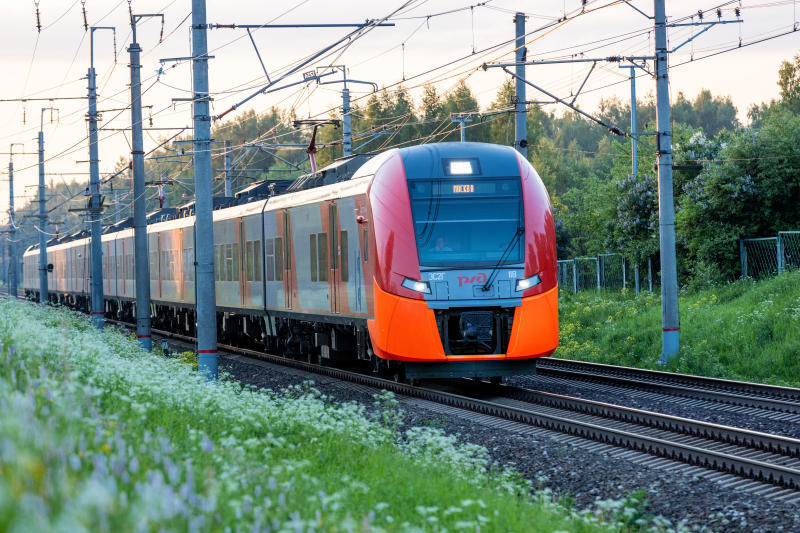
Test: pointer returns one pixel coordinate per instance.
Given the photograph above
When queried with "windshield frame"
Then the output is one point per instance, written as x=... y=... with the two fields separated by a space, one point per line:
x=515 y=258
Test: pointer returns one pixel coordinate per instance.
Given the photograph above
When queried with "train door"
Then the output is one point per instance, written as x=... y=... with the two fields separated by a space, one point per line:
x=288 y=284
x=241 y=238
x=333 y=264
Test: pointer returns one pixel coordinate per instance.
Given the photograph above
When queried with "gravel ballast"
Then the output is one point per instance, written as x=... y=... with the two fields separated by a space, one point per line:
x=558 y=463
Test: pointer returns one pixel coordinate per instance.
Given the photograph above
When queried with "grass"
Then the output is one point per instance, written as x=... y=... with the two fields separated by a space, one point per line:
x=96 y=435
x=745 y=330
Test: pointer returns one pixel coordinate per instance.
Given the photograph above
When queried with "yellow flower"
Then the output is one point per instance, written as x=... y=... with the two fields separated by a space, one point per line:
x=106 y=448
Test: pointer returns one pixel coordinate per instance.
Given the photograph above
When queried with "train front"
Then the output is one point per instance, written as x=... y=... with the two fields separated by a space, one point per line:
x=465 y=273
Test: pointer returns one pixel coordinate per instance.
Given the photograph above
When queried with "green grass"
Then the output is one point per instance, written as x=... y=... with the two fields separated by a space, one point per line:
x=97 y=435
x=745 y=330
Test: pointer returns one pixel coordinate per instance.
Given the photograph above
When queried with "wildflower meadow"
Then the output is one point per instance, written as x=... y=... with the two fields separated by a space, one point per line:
x=96 y=435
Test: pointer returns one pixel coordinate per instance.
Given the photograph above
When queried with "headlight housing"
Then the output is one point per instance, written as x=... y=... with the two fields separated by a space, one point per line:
x=527 y=283
x=416 y=286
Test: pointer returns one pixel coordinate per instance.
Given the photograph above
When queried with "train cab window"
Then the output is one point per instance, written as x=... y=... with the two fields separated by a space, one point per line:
x=468 y=221
x=345 y=263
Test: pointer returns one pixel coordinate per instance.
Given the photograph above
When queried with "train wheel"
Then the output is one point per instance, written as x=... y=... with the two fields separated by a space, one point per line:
x=496 y=380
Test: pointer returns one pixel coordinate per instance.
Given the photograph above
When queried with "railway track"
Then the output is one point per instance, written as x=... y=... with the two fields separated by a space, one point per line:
x=771 y=461
x=784 y=402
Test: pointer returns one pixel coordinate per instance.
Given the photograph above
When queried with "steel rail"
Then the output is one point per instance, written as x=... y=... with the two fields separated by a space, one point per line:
x=755 y=469
x=739 y=393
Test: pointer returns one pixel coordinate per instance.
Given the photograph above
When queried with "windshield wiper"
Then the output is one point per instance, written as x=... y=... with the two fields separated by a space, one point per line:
x=496 y=269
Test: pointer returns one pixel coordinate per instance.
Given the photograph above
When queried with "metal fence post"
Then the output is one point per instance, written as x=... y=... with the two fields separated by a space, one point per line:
x=743 y=257
x=624 y=278
x=575 y=276
x=636 y=277
x=650 y=273
x=779 y=248
x=597 y=259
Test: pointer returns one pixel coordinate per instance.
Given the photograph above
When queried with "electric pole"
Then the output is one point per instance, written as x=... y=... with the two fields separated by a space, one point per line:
x=521 y=115
x=634 y=134
x=462 y=118
x=12 y=227
x=139 y=200
x=43 y=294
x=228 y=184
x=206 y=304
x=95 y=209
x=670 y=336
x=347 y=132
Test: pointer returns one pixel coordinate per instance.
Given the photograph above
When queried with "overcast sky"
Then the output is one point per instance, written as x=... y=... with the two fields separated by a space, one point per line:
x=53 y=63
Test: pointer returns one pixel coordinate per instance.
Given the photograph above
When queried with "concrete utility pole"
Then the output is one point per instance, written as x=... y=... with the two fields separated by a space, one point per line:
x=347 y=132
x=162 y=191
x=141 y=256
x=670 y=337
x=204 y=206
x=95 y=208
x=43 y=293
x=117 y=210
x=12 y=228
x=228 y=184
x=634 y=138
x=521 y=115
x=347 y=128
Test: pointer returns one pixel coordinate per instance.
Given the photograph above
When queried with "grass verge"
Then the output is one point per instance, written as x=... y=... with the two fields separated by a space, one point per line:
x=97 y=435
x=745 y=330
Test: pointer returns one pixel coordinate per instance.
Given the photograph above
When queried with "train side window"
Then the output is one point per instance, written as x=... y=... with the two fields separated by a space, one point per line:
x=366 y=246
x=236 y=256
x=322 y=256
x=345 y=259
x=313 y=253
x=269 y=252
x=248 y=260
x=279 y=259
x=257 y=260
x=216 y=262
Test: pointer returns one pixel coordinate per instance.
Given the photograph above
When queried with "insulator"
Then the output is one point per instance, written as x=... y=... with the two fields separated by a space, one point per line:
x=38 y=21
x=700 y=14
x=719 y=13
x=738 y=11
x=85 y=23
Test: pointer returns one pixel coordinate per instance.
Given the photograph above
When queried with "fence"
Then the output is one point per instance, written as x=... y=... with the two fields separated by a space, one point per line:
x=768 y=256
x=605 y=271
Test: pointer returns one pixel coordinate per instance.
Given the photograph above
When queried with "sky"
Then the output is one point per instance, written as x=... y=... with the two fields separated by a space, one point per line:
x=432 y=41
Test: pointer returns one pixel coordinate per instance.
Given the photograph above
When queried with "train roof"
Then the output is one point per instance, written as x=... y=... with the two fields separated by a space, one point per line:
x=344 y=177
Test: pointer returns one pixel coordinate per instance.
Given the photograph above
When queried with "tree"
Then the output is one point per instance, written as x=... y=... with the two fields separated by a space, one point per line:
x=789 y=82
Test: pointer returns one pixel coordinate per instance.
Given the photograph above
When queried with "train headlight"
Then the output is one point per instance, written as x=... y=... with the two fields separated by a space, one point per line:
x=527 y=283
x=417 y=286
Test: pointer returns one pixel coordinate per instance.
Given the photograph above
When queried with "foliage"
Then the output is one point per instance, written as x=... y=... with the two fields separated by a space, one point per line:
x=96 y=435
x=741 y=330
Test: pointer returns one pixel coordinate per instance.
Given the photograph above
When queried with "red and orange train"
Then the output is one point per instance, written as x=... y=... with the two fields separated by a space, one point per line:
x=436 y=260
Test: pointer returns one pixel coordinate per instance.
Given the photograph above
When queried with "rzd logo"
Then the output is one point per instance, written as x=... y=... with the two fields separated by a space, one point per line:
x=480 y=278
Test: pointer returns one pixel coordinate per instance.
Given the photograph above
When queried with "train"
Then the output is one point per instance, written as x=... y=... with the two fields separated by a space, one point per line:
x=430 y=261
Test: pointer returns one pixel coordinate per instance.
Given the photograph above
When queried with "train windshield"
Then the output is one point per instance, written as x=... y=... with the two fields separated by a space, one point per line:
x=463 y=222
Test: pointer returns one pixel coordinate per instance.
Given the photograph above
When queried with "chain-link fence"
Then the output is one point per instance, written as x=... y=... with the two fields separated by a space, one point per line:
x=767 y=256
x=605 y=271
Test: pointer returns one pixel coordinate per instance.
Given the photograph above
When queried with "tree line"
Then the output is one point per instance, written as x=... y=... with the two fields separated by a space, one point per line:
x=734 y=180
